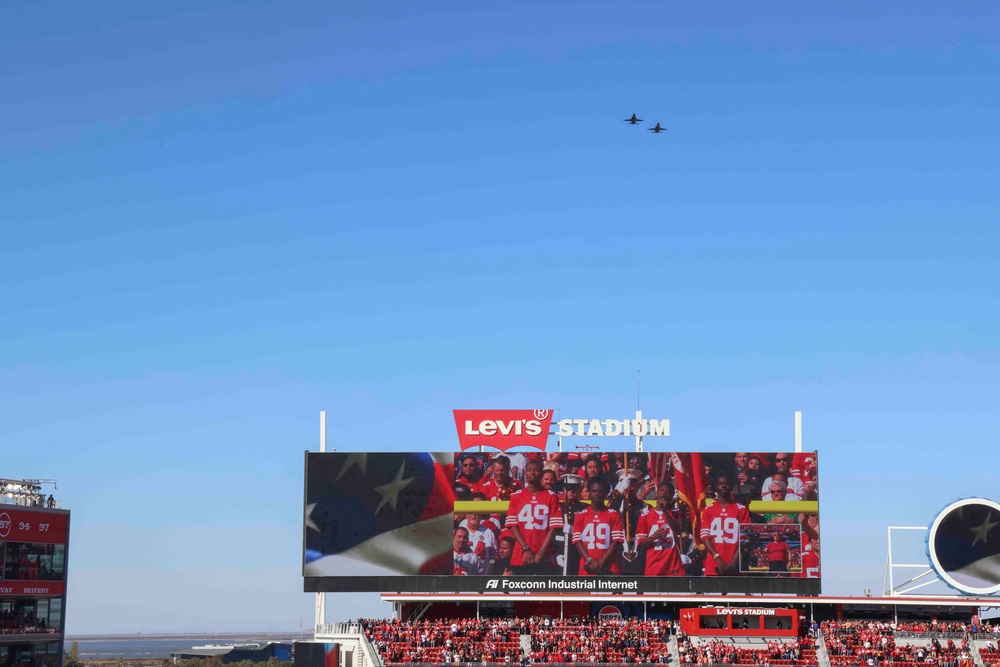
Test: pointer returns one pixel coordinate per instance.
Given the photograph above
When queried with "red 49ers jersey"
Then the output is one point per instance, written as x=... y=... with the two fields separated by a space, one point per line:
x=810 y=562
x=598 y=531
x=720 y=524
x=490 y=489
x=662 y=559
x=534 y=514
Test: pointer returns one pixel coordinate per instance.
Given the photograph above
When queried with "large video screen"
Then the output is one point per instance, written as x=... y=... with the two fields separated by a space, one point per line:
x=562 y=522
x=33 y=543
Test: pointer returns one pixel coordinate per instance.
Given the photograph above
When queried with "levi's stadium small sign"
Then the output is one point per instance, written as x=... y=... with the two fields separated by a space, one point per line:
x=503 y=429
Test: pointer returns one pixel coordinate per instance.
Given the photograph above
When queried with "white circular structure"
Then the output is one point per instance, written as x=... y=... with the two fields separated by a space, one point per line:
x=963 y=545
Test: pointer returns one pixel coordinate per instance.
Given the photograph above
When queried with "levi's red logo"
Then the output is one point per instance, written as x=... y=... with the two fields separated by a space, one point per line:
x=503 y=429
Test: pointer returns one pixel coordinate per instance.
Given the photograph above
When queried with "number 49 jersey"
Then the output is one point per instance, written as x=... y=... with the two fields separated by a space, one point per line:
x=597 y=531
x=662 y=559
x=720 y=524
x=534 y=514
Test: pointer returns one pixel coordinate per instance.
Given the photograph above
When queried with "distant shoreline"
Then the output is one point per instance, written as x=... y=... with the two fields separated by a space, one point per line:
x=188 y=635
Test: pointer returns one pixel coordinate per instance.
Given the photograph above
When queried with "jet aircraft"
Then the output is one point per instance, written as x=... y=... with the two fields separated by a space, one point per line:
x=633 y=120
x=657 y=129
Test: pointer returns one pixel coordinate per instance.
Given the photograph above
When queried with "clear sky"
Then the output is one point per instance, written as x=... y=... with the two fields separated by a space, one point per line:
x=219 y=218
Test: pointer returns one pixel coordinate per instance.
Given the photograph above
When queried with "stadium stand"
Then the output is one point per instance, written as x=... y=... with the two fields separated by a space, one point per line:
x=632 y=641
x=988 y=650
x=876 y=643
x=618 y=641
x=577 y=641
x=458 y=640
x=747 y=651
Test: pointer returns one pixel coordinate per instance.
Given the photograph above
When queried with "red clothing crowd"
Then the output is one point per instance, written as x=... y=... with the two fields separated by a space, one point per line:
x=451 y=641
x=871 y=643
x=599 y=640
x=796 y=652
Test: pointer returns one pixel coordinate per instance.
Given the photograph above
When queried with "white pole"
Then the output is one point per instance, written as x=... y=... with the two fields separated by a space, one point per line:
x=321 y=597
x=638 y=438
x=322 y=430
x=798 y=431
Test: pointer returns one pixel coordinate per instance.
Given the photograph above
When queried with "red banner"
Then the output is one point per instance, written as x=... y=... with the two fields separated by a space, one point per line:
x=32 y=587
x=503 y=429
x=21 y=524
x=689 y=477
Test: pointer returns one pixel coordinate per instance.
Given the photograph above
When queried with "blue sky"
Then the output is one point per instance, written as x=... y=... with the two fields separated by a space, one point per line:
x=220 y=218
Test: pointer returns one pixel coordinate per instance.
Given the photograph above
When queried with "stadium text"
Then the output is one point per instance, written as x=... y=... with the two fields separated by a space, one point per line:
x=746 y=612
x=563 y=585
x=613 y=427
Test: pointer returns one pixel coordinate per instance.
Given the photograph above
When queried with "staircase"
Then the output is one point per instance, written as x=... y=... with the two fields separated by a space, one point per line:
x=675 y=655
x=822 y=656
x=526 y=646
x=974 y=647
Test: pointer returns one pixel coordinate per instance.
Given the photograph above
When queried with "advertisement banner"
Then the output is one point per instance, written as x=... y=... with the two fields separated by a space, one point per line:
x=33 y=588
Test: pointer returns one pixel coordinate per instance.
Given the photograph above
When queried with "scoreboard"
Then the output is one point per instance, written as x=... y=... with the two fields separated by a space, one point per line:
x=33 y=543
x=562 y=522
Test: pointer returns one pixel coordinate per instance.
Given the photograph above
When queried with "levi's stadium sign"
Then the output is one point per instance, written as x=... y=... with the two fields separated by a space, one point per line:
x=503 y=429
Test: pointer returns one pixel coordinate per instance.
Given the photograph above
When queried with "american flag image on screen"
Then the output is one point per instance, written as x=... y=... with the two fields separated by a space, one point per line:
x=965 y=545
x=378 y=514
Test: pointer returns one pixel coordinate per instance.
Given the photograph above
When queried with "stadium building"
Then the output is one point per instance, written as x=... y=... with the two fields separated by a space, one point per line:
x=497 y=555
x=34 y=546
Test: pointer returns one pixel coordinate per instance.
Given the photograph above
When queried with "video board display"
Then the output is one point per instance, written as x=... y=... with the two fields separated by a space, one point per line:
x=562 y=522
x=33 y=544
x=962 y=549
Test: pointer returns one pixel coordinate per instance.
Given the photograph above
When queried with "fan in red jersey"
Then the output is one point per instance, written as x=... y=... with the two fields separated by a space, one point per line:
x=810 y=559
x=598 y=533
x=778 y=553
x=469 y=473
x=720 y=530
x=533 y=517
x=500 y=485
x=656 y=534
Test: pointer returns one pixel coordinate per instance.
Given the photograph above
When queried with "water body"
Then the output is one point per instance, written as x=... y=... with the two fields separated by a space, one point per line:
x=160 y=646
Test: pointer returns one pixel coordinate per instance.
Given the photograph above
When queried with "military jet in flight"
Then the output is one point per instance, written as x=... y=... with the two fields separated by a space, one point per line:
x=633 y=120
x=657 y=129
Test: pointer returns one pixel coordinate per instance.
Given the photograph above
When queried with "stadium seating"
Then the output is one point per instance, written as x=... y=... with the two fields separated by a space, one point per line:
x=605 y=641
x=716 y=651
x=618 y=641
x=457 y=640
x=989 y=652
x=550 y=641
x=853 y=643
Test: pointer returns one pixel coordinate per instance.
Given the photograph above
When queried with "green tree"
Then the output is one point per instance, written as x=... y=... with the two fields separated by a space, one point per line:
x=73 y=659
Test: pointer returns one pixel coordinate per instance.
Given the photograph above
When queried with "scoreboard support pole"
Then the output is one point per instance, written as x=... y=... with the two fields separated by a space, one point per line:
x=798 y=431
x=321 y=597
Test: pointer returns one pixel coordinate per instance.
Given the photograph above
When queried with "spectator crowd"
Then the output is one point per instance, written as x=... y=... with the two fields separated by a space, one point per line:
x=873 y=644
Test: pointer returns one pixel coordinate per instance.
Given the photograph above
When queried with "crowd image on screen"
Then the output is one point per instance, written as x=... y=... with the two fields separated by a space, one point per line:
x=771 y=548
x=549 y=491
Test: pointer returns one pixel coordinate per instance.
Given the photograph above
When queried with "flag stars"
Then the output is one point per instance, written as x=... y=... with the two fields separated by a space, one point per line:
x=359 y=459
x=390 y=491
x=310 y=524
x=982 y=530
